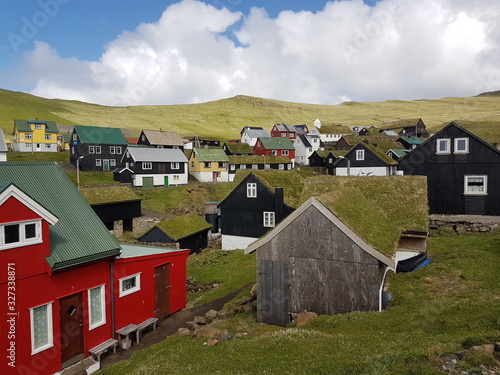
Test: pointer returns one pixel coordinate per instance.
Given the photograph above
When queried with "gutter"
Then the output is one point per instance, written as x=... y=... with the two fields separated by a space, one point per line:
x=112 y=292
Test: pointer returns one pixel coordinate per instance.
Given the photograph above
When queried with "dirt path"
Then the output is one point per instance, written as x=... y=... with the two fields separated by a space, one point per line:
x=165 y=328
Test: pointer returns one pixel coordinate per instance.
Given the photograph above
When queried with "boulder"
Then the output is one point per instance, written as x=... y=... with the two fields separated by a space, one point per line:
x=184 y=332
x=192 y=325
x=210 y=315
x=209 y=332
x=200 y=320
x=305 y=317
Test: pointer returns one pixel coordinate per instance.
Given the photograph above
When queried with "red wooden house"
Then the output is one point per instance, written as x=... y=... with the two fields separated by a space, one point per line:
x=270 y=146
x=61 y=282
x=288 y=131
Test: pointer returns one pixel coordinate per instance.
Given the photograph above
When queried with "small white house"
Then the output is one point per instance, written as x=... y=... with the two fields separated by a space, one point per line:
x=250 y=134
x=305 y=145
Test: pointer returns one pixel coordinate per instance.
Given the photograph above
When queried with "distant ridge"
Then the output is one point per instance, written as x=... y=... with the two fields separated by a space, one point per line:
x=490 y=93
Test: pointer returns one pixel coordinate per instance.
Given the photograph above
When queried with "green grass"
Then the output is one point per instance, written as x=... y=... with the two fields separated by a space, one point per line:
x=452 y=303
x=58 y=157
x=224 y=119
x=93 y=178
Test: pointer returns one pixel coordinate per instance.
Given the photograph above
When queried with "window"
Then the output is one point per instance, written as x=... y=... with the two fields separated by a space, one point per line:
x=461 y=145
x=243 y=166
x=118 y=150
x=20 y=234
x=174 y=165
x=232 y=167
x=97 y=316
x=75 y=137
x=130 y=284
x=475 y=185
x=27 y=135
x=281 y=167
x=97 y=149
x=147 y=165
x=98 y=162
x=42 y=336
x=360 y=154
x=330 y=160
x=112 y=162
x=443 y=146
x=48 y=137
x=283 y=135
x=267 y=166
x=268 y=219
x=112 y=149
x=176 y=177
x=47 y=145
x=207 y=164
x=284 y=152
x=91 y=150
x=192 y=164
x=255 y=166
x=251 y=190
x=38 y=126
x=222 y=164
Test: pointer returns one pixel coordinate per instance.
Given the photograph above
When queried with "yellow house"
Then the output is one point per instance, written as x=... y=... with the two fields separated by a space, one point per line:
x=209 y=165
x=35 y=135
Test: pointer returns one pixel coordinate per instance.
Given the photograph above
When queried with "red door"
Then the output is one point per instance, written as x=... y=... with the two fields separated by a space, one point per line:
x=71 y=319
x=162 y=291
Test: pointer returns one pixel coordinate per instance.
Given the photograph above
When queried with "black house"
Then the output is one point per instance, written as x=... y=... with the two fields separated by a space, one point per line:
x=463 y=172
x=249 y=211
x=96 y=148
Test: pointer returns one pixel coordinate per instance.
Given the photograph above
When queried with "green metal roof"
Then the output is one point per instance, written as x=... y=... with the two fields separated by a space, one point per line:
x=412 y=140
x=79 y=236
x=100 y=135
x=275 y=143
x=399 y=152
x=211 y=154
x=23 y=125
x=183 y=226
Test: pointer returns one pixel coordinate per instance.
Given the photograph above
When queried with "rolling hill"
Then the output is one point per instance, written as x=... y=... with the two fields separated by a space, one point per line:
x=224 y=118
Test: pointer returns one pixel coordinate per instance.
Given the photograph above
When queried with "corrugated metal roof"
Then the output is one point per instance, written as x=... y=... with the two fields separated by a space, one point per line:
x=256 y=133
x=157 y=154
x=133 y=251
x=211 y=154
x=275 y=143
x=79 y=236
x=166 y=138
x=100 y=135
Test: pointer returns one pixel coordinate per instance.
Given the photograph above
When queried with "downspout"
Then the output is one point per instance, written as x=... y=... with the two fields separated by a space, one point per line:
x=112 y=291
x=382 y=287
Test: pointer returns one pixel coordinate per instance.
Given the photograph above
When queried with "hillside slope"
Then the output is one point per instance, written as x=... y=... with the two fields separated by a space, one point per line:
x=224 y=118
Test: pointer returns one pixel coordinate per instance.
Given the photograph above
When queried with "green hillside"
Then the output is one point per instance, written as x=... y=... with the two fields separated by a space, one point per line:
x=224 y=118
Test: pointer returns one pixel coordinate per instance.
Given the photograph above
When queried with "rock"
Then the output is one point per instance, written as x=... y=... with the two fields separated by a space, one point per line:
x=184 y=332
x=200 y=320
x=225 y=314
x=210 y=315
x=209 y=332
x=212 y=342
x=305 y=317
x=192 y=325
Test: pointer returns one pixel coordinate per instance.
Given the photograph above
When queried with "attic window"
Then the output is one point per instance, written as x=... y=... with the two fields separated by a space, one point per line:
x=461 y=146
x=20 y=234
x=360 y=154
x=251 y=190
x=443 y=146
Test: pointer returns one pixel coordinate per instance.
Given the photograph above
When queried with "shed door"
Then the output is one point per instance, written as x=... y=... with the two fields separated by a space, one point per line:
x=147 y=182
x=165 y=180
x=162 y=291
x=71 y=320
x=273 y=293
x=105 y=165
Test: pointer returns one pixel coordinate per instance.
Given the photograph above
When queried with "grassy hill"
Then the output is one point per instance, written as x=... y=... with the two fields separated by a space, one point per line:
x=224 y=118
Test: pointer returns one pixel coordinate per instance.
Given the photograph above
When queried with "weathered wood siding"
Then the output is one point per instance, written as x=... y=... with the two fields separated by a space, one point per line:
x=328 y=273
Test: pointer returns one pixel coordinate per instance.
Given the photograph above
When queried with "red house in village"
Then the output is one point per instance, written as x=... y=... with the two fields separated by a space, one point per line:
x=271 y=146
x=288 y=131
x=68 y=284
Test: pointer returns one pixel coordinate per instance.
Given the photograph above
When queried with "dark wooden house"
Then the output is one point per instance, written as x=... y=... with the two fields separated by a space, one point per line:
x=249 y=211
x=256 y=162
x=324 y=158
x=414 y=127
x=462 y=170
x=185 y=232
x=365 y=160
x=96 y=148
x=323 y=260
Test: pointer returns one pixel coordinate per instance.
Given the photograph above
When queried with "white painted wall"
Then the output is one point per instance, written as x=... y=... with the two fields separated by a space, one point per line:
x=159 y=179
x=365 y=171
x=208 y=176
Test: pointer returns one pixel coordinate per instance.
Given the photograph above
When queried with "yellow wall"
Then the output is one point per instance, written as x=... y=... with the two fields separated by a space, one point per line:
x=196 y=166
x=38 y=136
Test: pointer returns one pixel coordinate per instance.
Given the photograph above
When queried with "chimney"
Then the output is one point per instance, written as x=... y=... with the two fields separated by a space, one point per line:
x=278 y=204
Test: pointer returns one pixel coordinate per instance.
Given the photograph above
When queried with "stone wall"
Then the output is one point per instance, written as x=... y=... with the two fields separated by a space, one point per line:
x=463 y=224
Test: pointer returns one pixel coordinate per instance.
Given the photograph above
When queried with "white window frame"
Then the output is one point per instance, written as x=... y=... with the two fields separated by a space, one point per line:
x=98 y=162
x=112 y=162
x=47 y=137
x=23 y=241
x=360 y=154
x=467 y=191
x=281 y=167
x=207 y=164
x=285 y=152
x=136 y=288
x=102 y=319
x=251 y=190
x=28 y=136
x=232 y=167
x=50 y=331
x=447 y=142
x=91 y=149
x=255 y=166
x=97 y=149
x=243 y=166
x=269 y=219
x=112 y=150
x=118 y=150
x=175 y=165
x=465 y=150
x=147 y=165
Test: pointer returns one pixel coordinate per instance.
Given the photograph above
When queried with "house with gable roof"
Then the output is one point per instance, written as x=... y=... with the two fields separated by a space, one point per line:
x=365 y=160
x=304 y=146
x=462 y=170
x=322 y=259
x=272 y=146
x=330 y=134
x=209 y=165
x=35 y=136
x=72 y=289
x=414 y=127
x=160 y=139
x=97 y=148
x=149 y=167
x=250 y=134
x=288 y=131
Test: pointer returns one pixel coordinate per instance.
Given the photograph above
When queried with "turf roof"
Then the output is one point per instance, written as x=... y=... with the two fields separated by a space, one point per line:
x=258 y=159
x=183 y=226
x=109 y=194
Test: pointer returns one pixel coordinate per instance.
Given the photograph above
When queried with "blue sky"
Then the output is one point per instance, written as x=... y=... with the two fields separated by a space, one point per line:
x=310 y=51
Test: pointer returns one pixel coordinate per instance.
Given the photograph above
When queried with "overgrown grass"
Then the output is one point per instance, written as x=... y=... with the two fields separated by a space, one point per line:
x=58 y=157
x=451 y=303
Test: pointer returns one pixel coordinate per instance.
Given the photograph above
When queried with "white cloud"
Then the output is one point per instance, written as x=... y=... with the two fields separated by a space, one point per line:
x=397 y=49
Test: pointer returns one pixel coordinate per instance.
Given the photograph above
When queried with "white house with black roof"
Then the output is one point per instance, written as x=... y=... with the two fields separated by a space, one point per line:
x=305 y=145
x=150 y=167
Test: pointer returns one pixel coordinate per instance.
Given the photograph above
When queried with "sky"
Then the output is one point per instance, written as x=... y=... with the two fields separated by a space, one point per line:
x=143 y=52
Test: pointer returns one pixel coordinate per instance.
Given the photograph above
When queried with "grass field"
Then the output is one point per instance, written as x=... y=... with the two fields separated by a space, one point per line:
x=449 y=305
x=225 y=118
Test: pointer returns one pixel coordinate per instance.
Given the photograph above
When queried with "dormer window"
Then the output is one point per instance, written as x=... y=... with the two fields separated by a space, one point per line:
x=20 y=234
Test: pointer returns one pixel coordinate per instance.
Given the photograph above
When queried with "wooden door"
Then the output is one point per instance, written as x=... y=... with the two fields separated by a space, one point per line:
x=273 y=293
x=71 y=324
x=147 y=182
x=105 y=165
x=162 y=291
x=165 y=180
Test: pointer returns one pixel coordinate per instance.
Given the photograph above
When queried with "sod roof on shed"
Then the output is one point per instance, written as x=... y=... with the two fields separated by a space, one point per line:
x=183 y=226
x=109 y=194
x=79 y=235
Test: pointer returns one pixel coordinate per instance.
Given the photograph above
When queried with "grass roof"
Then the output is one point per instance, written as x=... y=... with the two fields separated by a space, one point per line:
x=236 y=147
x=108 y=194
x=376 y=208
x=258 y=159
x=183 y=226
x=334 y=129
